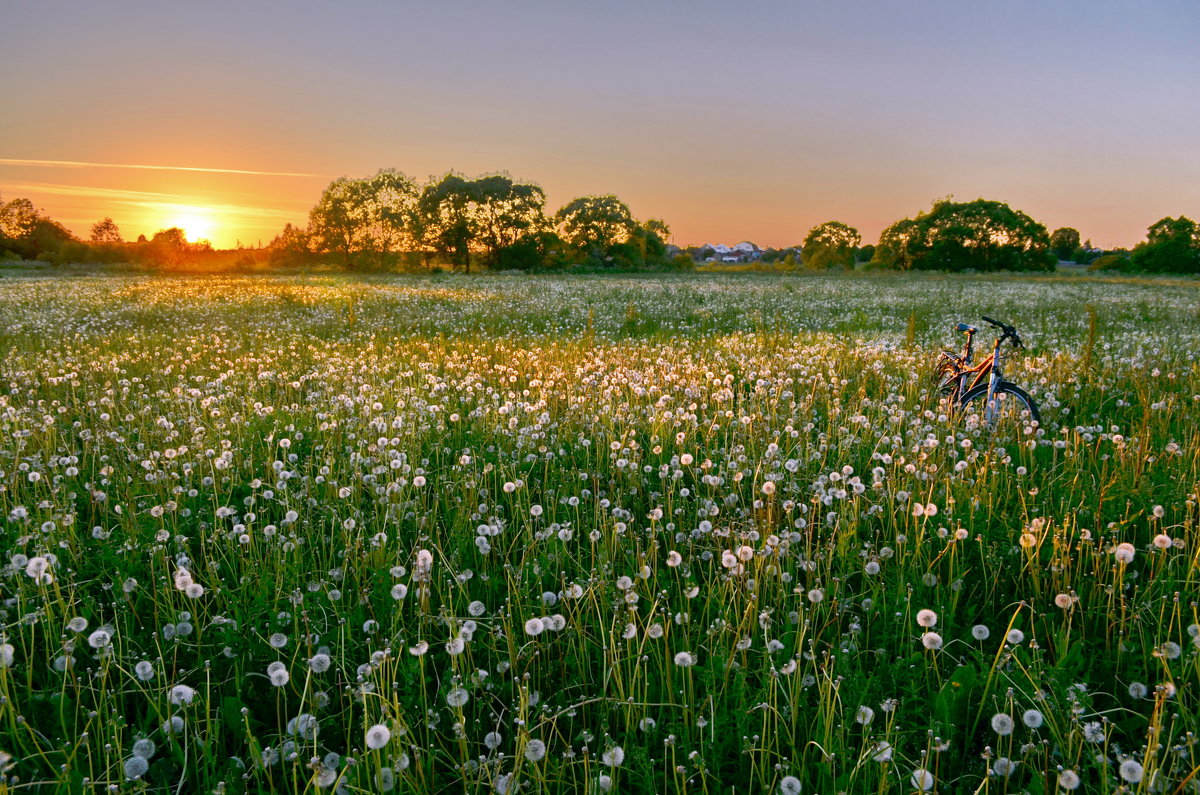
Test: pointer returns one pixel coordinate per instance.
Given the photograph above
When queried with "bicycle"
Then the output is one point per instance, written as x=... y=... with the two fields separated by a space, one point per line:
x=966 y=383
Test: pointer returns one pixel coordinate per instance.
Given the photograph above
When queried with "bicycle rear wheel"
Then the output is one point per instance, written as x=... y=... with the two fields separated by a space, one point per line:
x=1011 y=408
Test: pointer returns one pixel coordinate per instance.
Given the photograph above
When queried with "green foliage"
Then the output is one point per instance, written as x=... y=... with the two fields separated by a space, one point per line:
x=593 y=224
x=505 y=211
x=1086 y=254
x=1064 y=242
x=365 y=222
x=1117 y=261
x=17 y=218
x=458 y=216
x=829 y=245
x=682 y=262
x=27 y=233
x=625 y=256
x=980 y=235
x=1172 y=245
x=291 y=247
x=533 y=251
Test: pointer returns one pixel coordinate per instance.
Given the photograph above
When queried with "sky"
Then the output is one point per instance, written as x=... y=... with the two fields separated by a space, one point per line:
x=732 y=121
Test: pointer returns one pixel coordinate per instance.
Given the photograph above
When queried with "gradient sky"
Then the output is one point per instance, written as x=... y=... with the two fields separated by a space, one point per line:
x=730 y=120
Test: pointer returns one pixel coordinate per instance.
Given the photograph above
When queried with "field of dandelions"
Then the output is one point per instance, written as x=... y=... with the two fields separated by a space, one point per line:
x=539 y=535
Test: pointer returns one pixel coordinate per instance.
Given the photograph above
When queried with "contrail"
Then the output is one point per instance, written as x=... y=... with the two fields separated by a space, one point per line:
x=4 y=161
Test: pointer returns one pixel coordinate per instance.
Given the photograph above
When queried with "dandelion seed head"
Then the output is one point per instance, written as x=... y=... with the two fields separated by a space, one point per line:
x=535 y=750
x=377 y=736
x=789 y=785
x=614 y=756
x=1004 y=767
x=101 y=638
x=1003 y=724
x=181 y=694
x=1131 y=771
x=136 y=767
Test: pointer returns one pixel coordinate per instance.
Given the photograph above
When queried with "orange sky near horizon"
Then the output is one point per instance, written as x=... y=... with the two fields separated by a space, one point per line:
x=749 y=122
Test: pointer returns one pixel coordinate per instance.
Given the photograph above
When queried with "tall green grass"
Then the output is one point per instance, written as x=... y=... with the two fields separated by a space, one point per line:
x=694 y=533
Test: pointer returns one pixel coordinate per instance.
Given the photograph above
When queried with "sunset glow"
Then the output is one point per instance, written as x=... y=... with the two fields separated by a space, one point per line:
x=197 y=223
x=731 y=122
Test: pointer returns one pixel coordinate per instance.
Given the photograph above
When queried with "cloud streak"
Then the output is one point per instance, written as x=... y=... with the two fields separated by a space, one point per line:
x=6 y=161
x=148 y=204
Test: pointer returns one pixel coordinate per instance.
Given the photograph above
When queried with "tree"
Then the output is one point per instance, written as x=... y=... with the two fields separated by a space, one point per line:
x=894 y=243
x=17 y=218
x=25 y=231
x=47 y=238
x=533 y=251
x=658 y=227
x=650 y=240
x=503 y=211
x=1085 y=254
x=1064 y=241
x=290 y=247
x=1172 y=245
x=365 y=220
x=105 y=231
x=445 y=218
x=831 y=244
x=594 y=224
x=168 y=247
x=982 y=235
x=458 y=216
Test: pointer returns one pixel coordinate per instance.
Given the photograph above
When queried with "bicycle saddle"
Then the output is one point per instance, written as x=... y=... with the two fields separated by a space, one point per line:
x=967 y=329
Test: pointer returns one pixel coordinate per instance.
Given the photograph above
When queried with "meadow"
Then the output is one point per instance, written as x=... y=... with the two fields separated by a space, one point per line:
x=699 y=533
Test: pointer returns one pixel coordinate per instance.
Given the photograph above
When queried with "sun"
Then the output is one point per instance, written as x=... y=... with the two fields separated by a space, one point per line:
x=196 y=222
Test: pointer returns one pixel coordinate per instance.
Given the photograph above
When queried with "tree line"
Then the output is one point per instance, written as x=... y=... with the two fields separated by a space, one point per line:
x=493 y=221
x=388 y=221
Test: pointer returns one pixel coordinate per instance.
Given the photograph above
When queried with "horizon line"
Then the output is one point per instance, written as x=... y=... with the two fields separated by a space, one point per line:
x=5 y=161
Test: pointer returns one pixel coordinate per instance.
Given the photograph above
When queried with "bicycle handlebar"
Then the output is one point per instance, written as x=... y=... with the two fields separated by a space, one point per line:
x=1009 y=331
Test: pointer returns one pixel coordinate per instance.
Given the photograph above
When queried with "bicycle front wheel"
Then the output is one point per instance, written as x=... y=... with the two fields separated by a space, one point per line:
x=1010 y=408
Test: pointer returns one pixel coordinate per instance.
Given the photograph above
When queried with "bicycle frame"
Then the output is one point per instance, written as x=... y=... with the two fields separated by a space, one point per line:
x=967 y=376
x=960 y=379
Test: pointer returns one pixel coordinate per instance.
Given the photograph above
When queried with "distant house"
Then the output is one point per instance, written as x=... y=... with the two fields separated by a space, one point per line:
x=719 y=252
